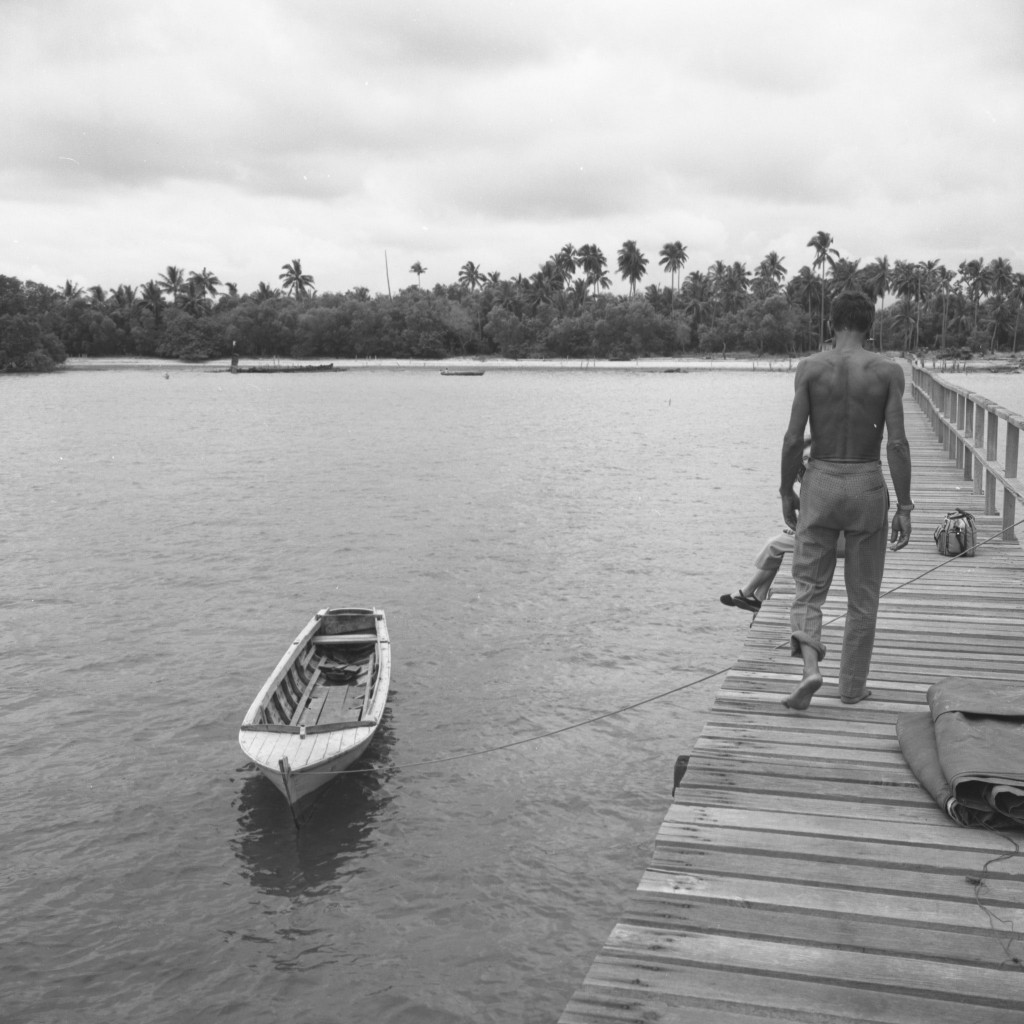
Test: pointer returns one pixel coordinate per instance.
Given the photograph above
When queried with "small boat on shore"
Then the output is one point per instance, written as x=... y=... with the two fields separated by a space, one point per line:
x=279 y=368
x=451 y=372
x=320 y=707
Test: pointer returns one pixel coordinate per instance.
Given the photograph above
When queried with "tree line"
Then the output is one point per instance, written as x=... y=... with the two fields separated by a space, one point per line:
x=563 y=310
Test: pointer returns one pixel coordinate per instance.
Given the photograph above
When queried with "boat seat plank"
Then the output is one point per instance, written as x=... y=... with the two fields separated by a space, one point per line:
x=345 y=638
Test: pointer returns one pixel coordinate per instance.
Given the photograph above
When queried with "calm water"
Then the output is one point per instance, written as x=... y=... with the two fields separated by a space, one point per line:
x=1007 y=389
x=547 y=546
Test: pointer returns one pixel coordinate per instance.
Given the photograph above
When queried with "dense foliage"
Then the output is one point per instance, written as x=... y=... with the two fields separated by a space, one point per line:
x=564 y=310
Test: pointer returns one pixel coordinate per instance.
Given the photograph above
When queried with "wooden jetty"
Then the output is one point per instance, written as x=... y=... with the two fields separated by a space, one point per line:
x=801 y=873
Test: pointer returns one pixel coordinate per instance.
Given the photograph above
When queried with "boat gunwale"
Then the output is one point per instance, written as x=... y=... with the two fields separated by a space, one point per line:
x=311 y=730
x=301 y=643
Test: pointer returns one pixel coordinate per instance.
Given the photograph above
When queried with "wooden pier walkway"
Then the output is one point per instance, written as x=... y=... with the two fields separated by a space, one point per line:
x=801 y=873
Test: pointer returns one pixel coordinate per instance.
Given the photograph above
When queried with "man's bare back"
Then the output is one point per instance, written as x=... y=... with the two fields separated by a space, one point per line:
x=848 y=393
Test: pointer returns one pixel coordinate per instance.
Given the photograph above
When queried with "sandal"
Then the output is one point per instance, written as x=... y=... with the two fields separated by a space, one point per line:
x=740 y=600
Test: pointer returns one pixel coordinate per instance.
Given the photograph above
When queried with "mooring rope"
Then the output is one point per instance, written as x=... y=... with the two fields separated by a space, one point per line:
x=536 y=737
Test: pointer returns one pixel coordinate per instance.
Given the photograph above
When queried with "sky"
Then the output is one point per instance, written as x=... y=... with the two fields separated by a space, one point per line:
x=362 y=136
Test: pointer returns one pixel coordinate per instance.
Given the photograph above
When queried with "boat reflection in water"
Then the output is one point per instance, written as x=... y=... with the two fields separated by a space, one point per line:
x=337 y=825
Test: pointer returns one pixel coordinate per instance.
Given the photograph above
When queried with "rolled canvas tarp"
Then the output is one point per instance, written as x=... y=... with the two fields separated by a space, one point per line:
x=967 y=750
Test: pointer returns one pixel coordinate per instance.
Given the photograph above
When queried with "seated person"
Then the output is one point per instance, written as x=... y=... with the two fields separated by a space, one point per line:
x=750 y=596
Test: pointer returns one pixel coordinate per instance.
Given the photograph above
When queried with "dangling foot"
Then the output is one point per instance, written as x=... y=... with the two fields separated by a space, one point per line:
x=857 y=699
x=800 y=698
x=740 y=600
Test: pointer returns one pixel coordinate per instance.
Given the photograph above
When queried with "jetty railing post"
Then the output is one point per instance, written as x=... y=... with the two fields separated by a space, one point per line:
x=934 y=413
x=979 y=441
x=940 y=414
x=991 y=449
x=961 y=407
x=968 y=432
x=951 y=438
x=1009 y=498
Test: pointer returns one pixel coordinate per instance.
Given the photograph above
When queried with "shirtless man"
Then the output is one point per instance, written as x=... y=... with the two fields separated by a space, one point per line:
x=850 y=395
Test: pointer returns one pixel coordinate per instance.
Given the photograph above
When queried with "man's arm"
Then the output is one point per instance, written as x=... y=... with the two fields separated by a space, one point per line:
x=897 y=453
x=793 y=447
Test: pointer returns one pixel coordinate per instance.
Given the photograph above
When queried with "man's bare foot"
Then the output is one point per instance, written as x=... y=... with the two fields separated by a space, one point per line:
x=800 y=698
x=857 y=699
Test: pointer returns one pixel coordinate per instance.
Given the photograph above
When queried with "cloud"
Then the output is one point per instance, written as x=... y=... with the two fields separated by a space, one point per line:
x=332 y=131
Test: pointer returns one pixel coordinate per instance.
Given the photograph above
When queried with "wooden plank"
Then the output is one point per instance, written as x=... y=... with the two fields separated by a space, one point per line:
x=307 y=693
x=887 y=972
x=649 y=992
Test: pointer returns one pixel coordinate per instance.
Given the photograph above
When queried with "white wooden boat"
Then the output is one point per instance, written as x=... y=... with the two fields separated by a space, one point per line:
x=321 y=706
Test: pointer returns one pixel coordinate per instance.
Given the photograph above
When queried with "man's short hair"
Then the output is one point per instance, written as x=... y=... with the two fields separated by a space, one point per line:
x=852 y=311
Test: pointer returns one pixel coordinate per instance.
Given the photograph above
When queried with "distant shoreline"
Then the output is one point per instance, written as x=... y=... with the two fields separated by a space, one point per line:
x=651 y=365
x=690 y=364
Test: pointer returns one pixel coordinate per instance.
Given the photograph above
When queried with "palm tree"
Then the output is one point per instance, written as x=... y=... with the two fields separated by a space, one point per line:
x=904 y=314
x=123 y=298
x=673 y=259
x=906 y=282
x=566 y=260
x=846 y=274
x=470 y=276
x=296 y=283
x=632 y=265
x=718 y=273
x=1017 y=294
x=264 y=292
x=928 y=281
x=696 y=296
x=824 y=255
x=172 y=282
x=544 y=284
x=768 y=277
x=593 y=263
x=152 y=298
x=999 y=313
x=419 y=270
x=206 y=281
x=735 y=285
x=974 y=274
x=877 y=279
x=194 y=301
x=944 y=283
x=803 y=288
x=1000 y=276
x=71 y=293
